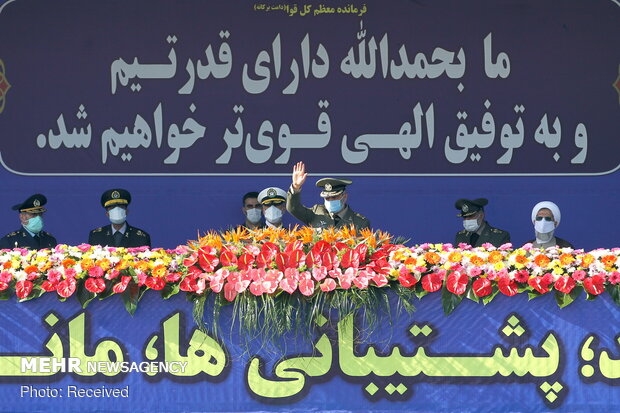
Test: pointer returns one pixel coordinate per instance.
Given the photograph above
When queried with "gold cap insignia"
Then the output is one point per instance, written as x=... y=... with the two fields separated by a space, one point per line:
x=328 y=187
x=36 y=203
x=465 y=208
x=116 y=195
x=271 y=192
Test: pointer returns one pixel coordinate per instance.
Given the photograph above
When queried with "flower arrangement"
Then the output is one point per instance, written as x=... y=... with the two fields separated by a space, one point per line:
x=285 y=279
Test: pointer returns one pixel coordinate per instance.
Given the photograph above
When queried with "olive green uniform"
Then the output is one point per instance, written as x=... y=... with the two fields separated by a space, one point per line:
x=319 y=217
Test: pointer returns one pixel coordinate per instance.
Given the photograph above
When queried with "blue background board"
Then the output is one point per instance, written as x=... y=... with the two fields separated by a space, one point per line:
x=471 y=330
x=564 y=61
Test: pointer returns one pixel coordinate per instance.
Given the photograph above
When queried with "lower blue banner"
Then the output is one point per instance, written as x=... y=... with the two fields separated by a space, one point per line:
x=511 y=355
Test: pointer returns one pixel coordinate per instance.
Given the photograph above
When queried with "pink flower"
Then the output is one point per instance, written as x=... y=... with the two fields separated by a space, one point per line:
x=96 y=272
x=112 y=274
x=579 y=275
x=292 y=273
x=319 y=273
x=256 y=288
x=328 y=285
x=306 y=287
x=361 y=281
x=379 y=279
x=505 y=246
x=614 y=277
x=84 y=247
x=474 y=272
x=5 y=277
x=229 y=292
x=70 y=272
x=289 y=285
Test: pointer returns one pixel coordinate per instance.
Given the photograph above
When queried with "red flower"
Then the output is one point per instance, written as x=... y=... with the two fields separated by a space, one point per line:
x=482 y=287
x=188 y=284
x=95 y=285
x=155 y=283
x=294 y=258
x=321 y=247
x=173 y=277
x=565 y=284
x=245 y=261
x=122 y=285
x=66 y=287
x=362 y=250
x=23 y=288
x=407 y=279
x=507 y=286
x=270 y=249
x=208 y=262
x=522 y=276
x=457 y=283
x=3 y=286
x=540 y=284
x=432 y=282
x=49 y=286
x=595 y=284
x=228 y=259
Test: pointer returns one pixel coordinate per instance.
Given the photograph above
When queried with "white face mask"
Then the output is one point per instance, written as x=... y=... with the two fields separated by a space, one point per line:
x=253 y=215
x=471 y=225
x=273 y=215
x=117 y=215
x=544 y=227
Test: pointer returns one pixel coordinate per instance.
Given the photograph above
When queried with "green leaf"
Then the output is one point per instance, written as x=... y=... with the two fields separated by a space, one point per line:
x=614 y=292
x=534 y=294
x=107 y=292
x=471 y=295
x=449 y=301
x=487 y=299
x=591 y=297
x=84 y=296
x=131 y=296
x=169 y=291
x=565 y=299
x=5 y=295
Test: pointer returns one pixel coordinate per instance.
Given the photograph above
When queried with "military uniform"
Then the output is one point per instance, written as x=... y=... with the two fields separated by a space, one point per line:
x=132 y=237
x=318 y=216
x=488 y=234
x=22 y=238
x=485 y=233
x=272 y=200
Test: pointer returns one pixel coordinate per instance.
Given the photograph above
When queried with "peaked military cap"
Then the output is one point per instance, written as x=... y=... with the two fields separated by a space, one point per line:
x=272 y=195
x=34 y=204
x=332 y=186
x=113 y=197
x=470 y=207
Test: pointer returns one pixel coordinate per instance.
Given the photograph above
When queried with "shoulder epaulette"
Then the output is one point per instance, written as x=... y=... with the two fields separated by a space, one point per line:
x=98 y=229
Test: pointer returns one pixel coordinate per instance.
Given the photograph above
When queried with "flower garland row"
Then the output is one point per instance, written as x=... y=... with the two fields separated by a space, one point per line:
x=308 y=262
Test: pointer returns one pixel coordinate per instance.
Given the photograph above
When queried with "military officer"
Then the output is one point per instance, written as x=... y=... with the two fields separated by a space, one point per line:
x=252 y=211
x=477 y=231
x=273 y=202
x=334 y=212
x=30 y=235
x=119 y=233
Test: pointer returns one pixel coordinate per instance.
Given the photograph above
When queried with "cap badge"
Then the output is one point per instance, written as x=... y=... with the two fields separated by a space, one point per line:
x=328 y=187
x=465 y=208
x=116 y=195
x=271 y=192
x=36 y=203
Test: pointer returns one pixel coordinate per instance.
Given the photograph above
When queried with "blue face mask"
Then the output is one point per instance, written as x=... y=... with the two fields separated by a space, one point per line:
x=333 y=206
x=35 y=224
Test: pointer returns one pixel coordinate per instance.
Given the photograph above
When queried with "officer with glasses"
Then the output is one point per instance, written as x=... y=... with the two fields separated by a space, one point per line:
x=546 y=218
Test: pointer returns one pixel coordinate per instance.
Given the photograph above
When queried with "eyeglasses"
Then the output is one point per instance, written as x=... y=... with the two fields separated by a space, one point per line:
x=549 y=219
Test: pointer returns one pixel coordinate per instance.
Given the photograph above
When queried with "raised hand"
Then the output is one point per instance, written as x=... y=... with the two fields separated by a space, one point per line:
x=299 y=176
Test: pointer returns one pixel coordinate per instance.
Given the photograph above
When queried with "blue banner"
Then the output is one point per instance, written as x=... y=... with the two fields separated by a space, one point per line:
x=513 y=355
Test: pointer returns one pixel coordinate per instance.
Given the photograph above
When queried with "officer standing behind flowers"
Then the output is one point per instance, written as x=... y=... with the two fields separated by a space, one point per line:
x=546 y=217
x=334 y=212
x=477 y=231
x=119 y=233
x=272 y=200
x=31 y=234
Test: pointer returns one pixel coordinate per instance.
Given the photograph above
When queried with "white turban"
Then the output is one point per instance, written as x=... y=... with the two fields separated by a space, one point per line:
x=557 y=216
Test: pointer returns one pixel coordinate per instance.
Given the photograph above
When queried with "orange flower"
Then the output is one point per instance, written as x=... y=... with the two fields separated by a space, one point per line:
x=305 y=234
x=542 y=260
x=141 y=265
x=122 y=264
x=455 y=256
x=566 y=259
x=7 y=265
x=68 y=262
x=495 y=257
x=87 y=264
x=31 y=268
x=609 y=260
x=330 y=235
x=432 y=258
x=104 y=264
x=586 y=260
x=476 y=260
x=521 y=259
x=410 y=261
x=160 y=271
